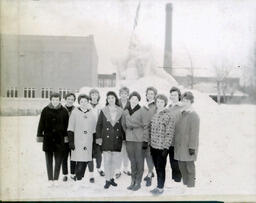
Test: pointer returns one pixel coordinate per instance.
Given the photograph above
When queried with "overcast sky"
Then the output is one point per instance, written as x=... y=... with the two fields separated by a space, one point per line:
x=207 y=30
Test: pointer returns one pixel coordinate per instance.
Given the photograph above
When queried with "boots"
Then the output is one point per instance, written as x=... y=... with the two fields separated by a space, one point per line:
x=130 y=187
x=107 y=184
x=136 y=186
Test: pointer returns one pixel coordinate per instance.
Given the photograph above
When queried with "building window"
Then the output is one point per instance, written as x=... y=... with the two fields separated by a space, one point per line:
x=46 y=92
x=29 y=92
x=63 y=92
x=12 y=92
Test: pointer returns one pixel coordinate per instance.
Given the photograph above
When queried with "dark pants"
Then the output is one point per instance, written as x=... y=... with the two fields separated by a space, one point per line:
x=73 y=167
x=58 y=157
x=149 y=160
x=160 y=163
x=65 y=161
x=176 y=174
x=80 y=169
x=188 y=172
x=136 y=157
x=97 y=155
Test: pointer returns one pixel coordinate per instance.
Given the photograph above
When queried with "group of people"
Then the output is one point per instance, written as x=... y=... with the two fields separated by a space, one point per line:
x=121 y=133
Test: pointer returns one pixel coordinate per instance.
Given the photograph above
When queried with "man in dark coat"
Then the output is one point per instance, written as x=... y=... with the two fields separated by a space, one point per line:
x=186 y=140
x=52 y=131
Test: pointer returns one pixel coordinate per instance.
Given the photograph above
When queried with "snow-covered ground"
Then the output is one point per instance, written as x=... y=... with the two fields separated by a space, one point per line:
x=226 y=163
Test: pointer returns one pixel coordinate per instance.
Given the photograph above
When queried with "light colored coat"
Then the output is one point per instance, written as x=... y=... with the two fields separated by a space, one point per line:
x=83 y=125
x=186 y=136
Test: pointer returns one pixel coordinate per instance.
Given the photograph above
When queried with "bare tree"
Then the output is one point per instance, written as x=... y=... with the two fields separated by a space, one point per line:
x=222 y=71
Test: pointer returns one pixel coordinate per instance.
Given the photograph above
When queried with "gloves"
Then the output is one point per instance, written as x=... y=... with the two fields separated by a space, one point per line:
x=144 y=145
x=99 y=141
x=191 y=151
x=71 y=140
x=165 y=152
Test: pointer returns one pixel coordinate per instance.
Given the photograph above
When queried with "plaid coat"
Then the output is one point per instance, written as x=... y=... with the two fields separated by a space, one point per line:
x=161 y=130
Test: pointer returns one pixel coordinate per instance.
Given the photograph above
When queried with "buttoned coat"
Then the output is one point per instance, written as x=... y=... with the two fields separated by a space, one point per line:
x=186 y=136
x=83 y=125
x=52 y=128
x=111 y=131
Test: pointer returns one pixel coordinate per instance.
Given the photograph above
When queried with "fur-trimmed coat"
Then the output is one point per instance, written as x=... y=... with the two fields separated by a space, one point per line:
x=111 y=131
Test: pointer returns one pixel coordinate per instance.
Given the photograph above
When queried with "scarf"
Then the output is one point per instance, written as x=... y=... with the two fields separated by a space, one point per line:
x=131 y=111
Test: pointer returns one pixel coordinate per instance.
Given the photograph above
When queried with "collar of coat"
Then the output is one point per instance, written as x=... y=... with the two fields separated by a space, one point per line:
x=131 y=111
x=127 y=104
x=150 y=105
x=53 y=107
x=79 y=108
x=106 y=112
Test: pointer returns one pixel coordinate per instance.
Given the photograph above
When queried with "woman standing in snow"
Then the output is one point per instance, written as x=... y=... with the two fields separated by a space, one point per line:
x=52 y=131
x=135 y=125
x=110 y=135
x=161 y=134
x=96 y=149
x=80 y=132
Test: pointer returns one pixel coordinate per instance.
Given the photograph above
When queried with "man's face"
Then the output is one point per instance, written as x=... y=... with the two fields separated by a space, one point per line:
x=174 y=96
x=84 y=103
x=160 y=104
x=94 y=97
x=70 y=100
x=134 y=101
x=55 y=101
x=124 y=95
x=150 y=95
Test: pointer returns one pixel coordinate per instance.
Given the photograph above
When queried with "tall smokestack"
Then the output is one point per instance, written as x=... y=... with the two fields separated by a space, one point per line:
x=168 y=39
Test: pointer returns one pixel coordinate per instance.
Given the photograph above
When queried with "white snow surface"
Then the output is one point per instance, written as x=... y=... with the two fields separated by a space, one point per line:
x=226 y=162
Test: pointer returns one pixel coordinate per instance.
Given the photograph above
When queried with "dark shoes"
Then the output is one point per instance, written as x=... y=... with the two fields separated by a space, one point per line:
x=108 y=183
x=65 y=178
x=112 y=182
x=148 y=179
x=92 y=180
x=101 y=173
x=157 y=191
x=127 y=173
x=118 y=175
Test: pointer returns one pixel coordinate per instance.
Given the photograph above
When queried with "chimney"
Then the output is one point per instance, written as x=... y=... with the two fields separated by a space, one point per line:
x=168 y=40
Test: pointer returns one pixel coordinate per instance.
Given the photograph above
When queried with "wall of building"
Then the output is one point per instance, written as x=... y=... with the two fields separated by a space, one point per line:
x=51 y=62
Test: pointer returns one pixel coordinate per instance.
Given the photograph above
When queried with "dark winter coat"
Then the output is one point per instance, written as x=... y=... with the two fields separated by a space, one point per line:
x=186 y=136
x=52 y=128
x=111 y=132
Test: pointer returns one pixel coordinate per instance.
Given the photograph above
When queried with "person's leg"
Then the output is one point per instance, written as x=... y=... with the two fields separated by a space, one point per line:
x=65 y=164
x=161 y=169
x=183 y=170
x=79 y=170
x=139 y=162
x=107 y=168
x=176 y=174
x=131 y=155
x=191 y=173
x=58 y=157
x=91 y=171
x=149 y=161
x=125 y=160
x=49 y=167
x=72 y=167
x=118 y=163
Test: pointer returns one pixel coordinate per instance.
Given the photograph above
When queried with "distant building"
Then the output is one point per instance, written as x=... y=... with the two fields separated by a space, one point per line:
x=107 y=80
x=34 y=66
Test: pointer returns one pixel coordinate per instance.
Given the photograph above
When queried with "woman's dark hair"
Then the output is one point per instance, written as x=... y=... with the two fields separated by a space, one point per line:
x=112 y=93
x=69 y=95
x=83 y=96
x=55 y=94
x=189 y=96
x=136 y=94
x=176 y=89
